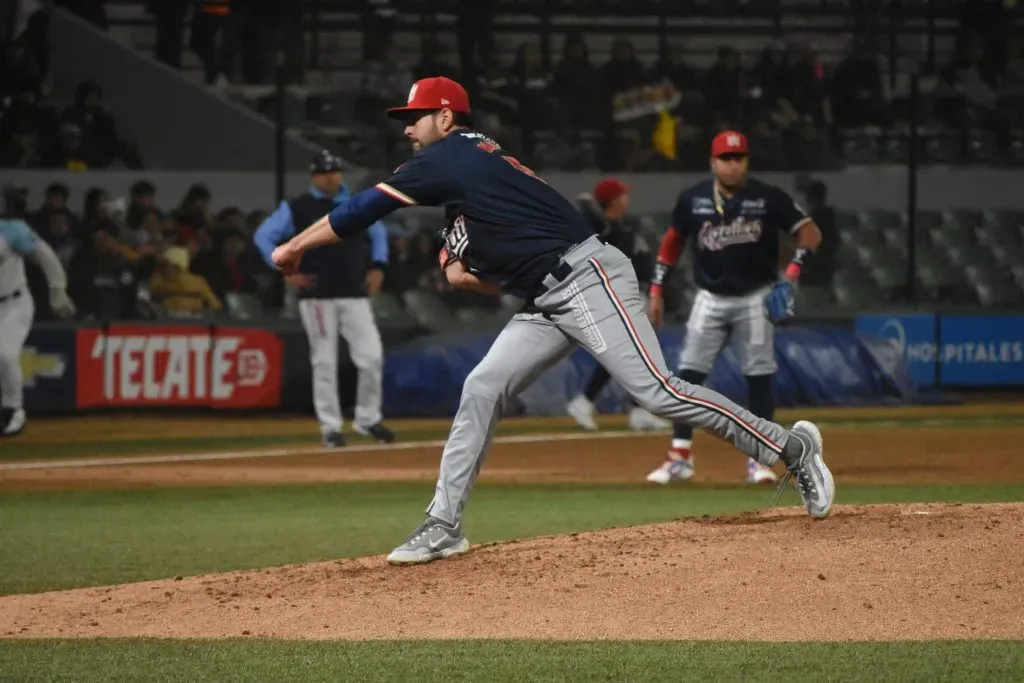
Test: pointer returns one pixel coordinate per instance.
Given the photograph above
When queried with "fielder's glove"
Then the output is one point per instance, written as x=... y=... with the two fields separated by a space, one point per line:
x=61 y=303
x=780 y=302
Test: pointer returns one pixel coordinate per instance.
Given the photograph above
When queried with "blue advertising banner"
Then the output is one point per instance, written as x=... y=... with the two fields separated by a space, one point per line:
x=982 y=350
x=976 y=350
x=48 y=370
x=914 y=333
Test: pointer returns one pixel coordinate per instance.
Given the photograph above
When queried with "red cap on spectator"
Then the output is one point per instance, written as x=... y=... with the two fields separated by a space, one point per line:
x=433 y=93
x=729 y=142
x=610 y=189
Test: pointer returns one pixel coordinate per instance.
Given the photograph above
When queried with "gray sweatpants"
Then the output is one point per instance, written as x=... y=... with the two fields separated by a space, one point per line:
x=598 y=306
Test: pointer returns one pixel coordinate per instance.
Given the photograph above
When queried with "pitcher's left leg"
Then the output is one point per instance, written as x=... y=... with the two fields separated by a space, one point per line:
x=754 y=338
x=630 y=351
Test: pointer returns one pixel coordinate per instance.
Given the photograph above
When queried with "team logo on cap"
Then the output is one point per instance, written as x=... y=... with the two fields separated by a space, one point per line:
x=412 y=92
x=732 y=140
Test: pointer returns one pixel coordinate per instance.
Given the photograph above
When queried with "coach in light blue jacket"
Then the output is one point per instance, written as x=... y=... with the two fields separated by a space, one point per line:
x=334 y=284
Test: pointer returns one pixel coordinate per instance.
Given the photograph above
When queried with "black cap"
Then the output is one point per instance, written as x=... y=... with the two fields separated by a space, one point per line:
x=325 y=162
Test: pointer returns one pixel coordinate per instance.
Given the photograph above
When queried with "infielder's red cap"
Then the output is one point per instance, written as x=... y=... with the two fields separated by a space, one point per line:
x=729 y=142
x=428 y=94
x=610 y=189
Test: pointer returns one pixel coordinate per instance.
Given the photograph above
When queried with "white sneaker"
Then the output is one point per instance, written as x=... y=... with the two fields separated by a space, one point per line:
x=641 y=420
x=759 y=474
x=673 y=470
x=15 y=423
x=582 y=410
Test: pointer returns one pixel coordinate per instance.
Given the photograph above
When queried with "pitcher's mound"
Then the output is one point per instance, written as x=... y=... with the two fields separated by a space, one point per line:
x=866 y=573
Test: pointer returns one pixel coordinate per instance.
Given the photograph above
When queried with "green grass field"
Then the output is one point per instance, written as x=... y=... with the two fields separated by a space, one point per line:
x=58 y=540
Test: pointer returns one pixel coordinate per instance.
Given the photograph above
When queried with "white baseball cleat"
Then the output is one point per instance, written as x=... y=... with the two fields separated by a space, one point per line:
x=759 y=474
x=582 y=410
x=16 y=422
x=641 y=420
x=813 y=478
x=673 y=469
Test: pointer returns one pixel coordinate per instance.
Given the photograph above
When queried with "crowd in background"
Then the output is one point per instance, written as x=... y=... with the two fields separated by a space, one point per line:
x=35 y=131
x=129 y=258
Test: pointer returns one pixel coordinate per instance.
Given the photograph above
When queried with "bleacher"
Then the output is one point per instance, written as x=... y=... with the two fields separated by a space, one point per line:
x=913 y=33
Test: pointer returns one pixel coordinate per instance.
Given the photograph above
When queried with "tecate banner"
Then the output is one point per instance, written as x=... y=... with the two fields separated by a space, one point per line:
x=974 y=350
x=178 y=366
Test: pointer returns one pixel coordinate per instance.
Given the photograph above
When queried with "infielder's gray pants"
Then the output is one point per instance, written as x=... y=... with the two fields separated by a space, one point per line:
x=15 y=323
x=598 y=306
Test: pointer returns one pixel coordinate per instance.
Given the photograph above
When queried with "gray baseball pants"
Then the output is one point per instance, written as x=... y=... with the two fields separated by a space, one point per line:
x=597 y=305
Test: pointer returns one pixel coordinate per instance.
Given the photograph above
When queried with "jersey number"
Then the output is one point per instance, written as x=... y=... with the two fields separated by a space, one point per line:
x=518 y=165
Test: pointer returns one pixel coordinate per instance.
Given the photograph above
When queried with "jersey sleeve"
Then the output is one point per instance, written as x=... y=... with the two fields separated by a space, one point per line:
x=788 y=215
x=423 y=180
x=20 y=238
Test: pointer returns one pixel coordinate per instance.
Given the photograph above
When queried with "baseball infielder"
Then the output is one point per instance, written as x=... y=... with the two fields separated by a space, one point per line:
x=736 y=222
x=508 y=231
x=334 y=284
x=17 y=241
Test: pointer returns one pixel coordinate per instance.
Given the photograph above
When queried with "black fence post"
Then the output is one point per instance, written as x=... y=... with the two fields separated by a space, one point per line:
x=912 y=191
x=281 y=120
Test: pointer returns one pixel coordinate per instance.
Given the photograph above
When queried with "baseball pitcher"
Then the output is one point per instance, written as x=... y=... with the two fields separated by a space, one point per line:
x=18 y=241
x=509 y=232
x=334 y=284
x=735 y=222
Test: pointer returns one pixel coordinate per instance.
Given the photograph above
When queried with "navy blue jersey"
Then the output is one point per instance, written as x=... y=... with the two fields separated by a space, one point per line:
x=516 y=225
x=736 y=239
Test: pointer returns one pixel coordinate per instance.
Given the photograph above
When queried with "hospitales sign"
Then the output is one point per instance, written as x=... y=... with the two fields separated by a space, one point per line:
x=178 y=366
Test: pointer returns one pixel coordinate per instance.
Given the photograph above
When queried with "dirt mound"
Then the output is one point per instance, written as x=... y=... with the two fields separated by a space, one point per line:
x=867 y=573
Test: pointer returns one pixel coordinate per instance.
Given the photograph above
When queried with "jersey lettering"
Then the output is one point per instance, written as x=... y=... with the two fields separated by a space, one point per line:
x=490 y=148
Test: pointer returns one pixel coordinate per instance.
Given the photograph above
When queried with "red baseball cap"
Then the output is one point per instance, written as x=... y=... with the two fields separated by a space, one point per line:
x=433 y=93
x=610 y=189
x=729 y=142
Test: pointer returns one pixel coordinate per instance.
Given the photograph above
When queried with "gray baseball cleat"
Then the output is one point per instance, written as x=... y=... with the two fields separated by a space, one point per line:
x=432 y=540
x=813 y=478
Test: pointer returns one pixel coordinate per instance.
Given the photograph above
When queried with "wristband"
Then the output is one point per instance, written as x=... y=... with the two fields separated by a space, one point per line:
x=445 y=258
x=801 y=257
x=656 y=289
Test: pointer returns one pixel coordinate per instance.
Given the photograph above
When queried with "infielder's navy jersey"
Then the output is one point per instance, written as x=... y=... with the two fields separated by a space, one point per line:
x=736 y=239
x=512 y=226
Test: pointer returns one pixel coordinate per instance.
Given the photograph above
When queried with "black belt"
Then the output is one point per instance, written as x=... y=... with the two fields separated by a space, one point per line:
x=16 y=294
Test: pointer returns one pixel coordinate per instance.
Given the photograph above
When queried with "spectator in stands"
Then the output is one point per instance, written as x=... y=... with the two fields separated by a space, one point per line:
x=770 y=78
x=178 y=291
x=807 y=75
x=58 y=231
x=823 y=266
x=94 y=210
x=19 y=71
x=224 y=268
x=146 y=236
x=494 y=90
x=407 y=262
x=54 y=201
x=210 y=19
x=623 y=71
x=433 y=60
x=724 y=87
x=21 y=145
x=170 y=29
x=858 y=92
x=673 y=66
x=101 y=280
x=475 y=29
x=196 y=205
x=101 y=144
x=69 y=151
x=580 y=85
x=530 y=86
x=142 y=199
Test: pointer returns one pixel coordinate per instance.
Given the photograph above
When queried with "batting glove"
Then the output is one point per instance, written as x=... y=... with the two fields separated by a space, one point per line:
x=780 y=302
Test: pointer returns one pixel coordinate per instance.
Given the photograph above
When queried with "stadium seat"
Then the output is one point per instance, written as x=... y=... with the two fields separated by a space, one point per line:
x=965 y=256
x=991 y=235
x=881 y=219
x=813 y=298
x=995 y=292
x=941 y=147
x=243 y=306
x=964 y=218
x=1006 y=254
x=951 y=237
x=860 y=145
x=981 y=147
x=853 y=294
x=1003 y=217
x=847 y=220
x=388 y=309
x=928 y=219
x=429 y=311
